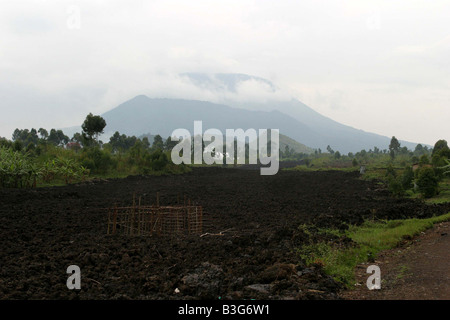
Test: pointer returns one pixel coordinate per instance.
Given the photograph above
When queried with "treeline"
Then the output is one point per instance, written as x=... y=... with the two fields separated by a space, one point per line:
x=419 y=170
x=289 y=154
x=36 y=157
x=424 y=175
x=336 y=158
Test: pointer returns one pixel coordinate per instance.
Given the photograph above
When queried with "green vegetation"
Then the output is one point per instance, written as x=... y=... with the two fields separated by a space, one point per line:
x=427 y=182
x=444 y=193
x=38 y=158
x=367 y=241
x=42 y=157
x=446 y=168
x=16 y=169
x=291 y=149
x=92 y=127
x=422 y=173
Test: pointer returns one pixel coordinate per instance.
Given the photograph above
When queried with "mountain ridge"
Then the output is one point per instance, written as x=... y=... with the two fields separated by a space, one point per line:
x=163 y=115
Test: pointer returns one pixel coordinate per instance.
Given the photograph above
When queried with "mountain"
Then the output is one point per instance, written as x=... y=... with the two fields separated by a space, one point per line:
x=293 y=144
x=322 y=131
x=144 y=115
x=161 y=116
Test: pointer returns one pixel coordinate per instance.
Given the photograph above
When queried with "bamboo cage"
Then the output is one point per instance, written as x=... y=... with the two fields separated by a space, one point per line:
x=156 y=220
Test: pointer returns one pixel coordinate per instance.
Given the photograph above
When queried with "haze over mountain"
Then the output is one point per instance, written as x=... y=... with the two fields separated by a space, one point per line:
x=255 y=93
x=240 y=101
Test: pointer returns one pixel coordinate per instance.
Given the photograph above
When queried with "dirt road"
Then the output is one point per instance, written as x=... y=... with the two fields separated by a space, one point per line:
x=417 y=270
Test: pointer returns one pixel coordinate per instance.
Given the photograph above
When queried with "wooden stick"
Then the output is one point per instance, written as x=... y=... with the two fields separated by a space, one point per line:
x=93 y=281
x=115 y=220
x=215 y=234
x=109 y=220
x=201 y=219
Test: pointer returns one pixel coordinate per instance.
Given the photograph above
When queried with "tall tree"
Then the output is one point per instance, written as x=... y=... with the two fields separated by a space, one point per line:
x=169 y=144
x=439 y=146
x=394 y=147
x=93 y=126
x=43 y=133
x=158 y=143
x=57 y=137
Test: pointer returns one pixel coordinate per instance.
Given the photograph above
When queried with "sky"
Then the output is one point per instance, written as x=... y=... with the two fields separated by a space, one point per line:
x=379 y=66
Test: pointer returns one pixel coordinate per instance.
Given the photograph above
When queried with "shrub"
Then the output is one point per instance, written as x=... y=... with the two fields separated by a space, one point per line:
x=96 y=160
x=424 y=160
x=427 y=182
x=407 y=178
x=159 y=160
x=395 y=186
x=390 y=172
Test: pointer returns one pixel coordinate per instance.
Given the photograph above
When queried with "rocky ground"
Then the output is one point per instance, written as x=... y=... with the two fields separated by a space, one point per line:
x=45 y=230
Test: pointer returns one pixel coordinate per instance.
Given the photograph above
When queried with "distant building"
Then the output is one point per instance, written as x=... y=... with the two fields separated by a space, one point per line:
x=73 y=146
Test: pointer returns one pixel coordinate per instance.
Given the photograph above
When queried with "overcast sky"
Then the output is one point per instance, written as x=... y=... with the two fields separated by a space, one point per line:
x=380 y=66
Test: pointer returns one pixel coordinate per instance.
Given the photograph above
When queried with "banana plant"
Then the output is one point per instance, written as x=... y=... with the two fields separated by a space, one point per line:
x=447 y=167
x=14 y=169
x=49 y=170
x=19 y=170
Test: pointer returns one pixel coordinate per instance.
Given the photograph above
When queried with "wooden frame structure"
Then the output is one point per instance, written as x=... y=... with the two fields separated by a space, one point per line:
x=140 y=220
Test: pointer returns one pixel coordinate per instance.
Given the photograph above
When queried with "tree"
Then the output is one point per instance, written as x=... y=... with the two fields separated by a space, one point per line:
x=169 y=144
x=439 y=146
x=424 y=160
x=57 y=137
x=26 y=137
x=394 y=147
x=441 y=151
x=427 y=182
x=159 y=160
x=93 y=126
x=330 y=150
x=419 y=150
x=158 y=143
x=116 y=142
x=16 y=134
x=43 y=133
x=407 y=178
x=288 y=152
x=392 y=154
x=145 y=143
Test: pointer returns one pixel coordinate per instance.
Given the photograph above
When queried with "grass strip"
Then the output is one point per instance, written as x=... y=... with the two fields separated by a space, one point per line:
x=369 y=239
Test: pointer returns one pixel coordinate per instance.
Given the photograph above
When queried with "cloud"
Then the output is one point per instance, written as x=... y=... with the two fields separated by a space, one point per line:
x=324 y=53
